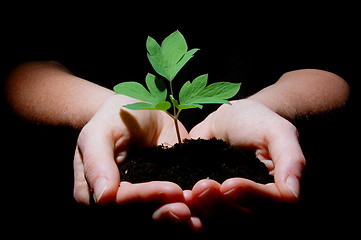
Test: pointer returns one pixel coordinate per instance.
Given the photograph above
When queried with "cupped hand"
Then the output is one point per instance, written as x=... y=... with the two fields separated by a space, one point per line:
x=103 y=143
x=247 y=123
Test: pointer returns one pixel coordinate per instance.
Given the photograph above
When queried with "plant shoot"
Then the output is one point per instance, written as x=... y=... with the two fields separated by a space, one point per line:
x=167 y=60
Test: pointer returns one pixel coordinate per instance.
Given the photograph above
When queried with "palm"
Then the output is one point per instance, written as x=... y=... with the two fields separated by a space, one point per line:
x=105 y=140
x=275 y=140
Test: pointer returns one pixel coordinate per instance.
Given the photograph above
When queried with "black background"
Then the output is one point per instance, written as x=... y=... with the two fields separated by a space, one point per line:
x=249 y=44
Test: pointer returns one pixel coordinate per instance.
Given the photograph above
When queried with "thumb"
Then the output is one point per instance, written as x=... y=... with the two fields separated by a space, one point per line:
x=289 y=164
x=201 y=130
x=100 y=169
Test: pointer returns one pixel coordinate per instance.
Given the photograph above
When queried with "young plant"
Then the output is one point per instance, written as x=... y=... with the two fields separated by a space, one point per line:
x=167 y=60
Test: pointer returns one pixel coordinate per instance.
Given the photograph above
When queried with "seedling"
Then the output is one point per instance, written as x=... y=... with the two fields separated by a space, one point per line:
x=167 y=60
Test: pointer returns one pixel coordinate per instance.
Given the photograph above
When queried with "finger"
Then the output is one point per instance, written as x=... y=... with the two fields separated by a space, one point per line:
x=168 y=135
x=188 y=196
x=263 y=155
x=178 y=213
x=289 y=163
x=174 y=212
x=100 y=169
x=205 y=188
x=195 y=222
x=201 y=130
x=81 y=190
x=152 y=192
x=207 y=199
x=250 y=195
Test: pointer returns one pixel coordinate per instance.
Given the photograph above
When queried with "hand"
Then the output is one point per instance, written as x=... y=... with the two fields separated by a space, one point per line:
x=247 y=123
x=103 y=143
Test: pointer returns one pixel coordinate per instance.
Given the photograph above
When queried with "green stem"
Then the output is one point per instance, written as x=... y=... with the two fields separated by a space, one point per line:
x=171 y=89
x=175 y=118
x=177 y=131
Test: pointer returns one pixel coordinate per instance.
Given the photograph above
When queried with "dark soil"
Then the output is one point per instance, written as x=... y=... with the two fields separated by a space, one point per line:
x=198 y=159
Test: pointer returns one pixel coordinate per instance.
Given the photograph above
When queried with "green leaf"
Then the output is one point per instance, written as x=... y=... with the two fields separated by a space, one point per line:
x=189 y=90
x=164 y=106
x=138 y=106
x=134 y=90
x=189 y=106
x=184 y=106
x=169 y=58
x=156 y=87
x=154 y=99
x=198 y=93
x=174 y=101
x=152 y=45
x=187 y=56
x=210 y=100
x=173 y=47
x=221 y=90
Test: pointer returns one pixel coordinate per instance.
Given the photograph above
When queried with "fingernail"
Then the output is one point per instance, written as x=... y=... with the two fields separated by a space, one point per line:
x=230 y=191
x=160 y=215
x=121 y=157
x=173 y=217
x=204 y=193
x=294 y=185
x=99 y=188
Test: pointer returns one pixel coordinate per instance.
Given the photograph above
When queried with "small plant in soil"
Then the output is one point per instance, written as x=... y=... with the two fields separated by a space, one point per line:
x=167 y=60
x=189 y=160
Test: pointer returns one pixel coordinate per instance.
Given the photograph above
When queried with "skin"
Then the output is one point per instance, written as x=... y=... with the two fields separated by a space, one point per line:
x=47 y=93
x=50 y=94
x=275 y=140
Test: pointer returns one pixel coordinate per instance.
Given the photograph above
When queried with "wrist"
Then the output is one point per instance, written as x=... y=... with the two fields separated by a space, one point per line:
x=245 y=103
x=275 y=104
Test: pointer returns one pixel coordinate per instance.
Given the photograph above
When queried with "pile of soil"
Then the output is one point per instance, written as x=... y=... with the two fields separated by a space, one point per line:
x=197 y=159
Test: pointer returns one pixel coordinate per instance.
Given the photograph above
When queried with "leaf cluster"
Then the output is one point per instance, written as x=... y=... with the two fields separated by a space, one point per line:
x=167 y=60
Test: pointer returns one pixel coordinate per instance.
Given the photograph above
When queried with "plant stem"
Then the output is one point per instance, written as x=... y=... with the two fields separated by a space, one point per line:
x=171 y=92
x=177 y=131
x=175 y=118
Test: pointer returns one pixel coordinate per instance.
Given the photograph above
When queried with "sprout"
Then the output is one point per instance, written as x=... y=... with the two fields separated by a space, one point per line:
x=167 y=60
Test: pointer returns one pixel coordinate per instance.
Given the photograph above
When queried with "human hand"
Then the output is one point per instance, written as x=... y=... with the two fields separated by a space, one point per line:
x=103 y=143
x=247 y=123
